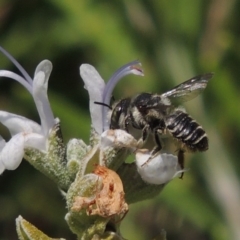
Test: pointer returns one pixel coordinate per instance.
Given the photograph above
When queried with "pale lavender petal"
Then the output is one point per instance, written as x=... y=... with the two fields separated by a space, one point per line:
x=40 y=85
x=129 y=68
x=94 y=84
x=12 y=154
x=17 y=124
x=14 y=61
x=16 y=77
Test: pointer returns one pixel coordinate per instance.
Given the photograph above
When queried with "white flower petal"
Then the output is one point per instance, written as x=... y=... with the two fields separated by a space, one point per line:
x=12 y=154
x=17 y=124
x=46 y=67
x=158 y=170
x=34 y=140
x=2 y=167
x=2 y=143
x=40 y=85
x=95 y=87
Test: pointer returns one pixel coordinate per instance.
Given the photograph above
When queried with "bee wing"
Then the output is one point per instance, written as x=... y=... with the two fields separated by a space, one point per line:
x=189 y=89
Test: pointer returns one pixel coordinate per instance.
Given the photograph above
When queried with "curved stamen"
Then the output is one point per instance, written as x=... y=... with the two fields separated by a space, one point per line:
x=18 y=66
x=16 y=77
x=129 y=68
x=37 y=87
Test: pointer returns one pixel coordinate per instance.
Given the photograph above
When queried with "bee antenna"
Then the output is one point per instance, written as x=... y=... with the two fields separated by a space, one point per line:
x=103 y=104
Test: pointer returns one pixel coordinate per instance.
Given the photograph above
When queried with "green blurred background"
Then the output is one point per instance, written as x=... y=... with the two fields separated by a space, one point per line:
x=175 y=40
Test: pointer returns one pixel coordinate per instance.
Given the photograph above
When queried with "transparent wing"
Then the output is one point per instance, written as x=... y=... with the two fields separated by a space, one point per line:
x=189 y=89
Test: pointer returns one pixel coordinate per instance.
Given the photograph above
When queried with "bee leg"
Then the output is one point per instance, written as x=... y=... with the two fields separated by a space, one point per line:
x=144 y=137
x=181 y=161
x=145 y=133
x=156 y=149
x=126 y=123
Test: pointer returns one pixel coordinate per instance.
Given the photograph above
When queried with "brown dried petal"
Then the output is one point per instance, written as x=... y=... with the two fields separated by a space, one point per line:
x=109 y=200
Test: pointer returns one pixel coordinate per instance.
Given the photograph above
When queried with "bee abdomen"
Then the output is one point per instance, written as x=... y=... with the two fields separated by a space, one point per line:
x=186 y=129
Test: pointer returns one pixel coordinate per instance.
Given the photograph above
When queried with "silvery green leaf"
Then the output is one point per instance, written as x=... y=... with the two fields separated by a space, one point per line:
x=26 y=231
x=76 y=150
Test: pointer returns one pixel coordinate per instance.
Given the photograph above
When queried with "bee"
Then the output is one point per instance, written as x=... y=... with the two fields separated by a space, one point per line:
x=157 y=114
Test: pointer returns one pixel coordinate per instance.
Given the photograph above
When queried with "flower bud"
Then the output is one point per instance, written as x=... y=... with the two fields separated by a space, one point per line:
x=159 y=169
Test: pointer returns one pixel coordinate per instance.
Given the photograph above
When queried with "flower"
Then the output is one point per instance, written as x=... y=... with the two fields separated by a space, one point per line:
x=106 y=142
x=98 y=92
x=25 y=132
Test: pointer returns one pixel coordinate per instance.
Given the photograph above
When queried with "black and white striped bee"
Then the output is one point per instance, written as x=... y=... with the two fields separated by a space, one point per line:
x=155 y=113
